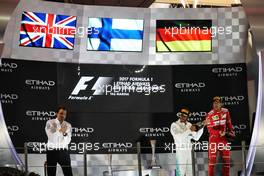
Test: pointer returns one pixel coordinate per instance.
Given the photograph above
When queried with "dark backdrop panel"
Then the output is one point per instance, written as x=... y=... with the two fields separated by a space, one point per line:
x=156 y=78
x=29 y=98
x=114 y=122
x=196 y=85
x=119 y=132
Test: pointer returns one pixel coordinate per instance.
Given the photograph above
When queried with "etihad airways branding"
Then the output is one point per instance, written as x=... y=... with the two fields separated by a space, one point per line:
x=8 y=67
x=12 y=129
x=8 y=98
x=190 y=86
x=40 y=84
x=240 y=128
x=232 y=100
x=227 y=71
x=82 y=131
x=123 y=86
x=197 y=116
x=117 y=147
x=154 y=132
x=41 y=115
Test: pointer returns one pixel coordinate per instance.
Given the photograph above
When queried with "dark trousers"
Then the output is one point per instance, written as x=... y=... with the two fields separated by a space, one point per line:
x=59 y=156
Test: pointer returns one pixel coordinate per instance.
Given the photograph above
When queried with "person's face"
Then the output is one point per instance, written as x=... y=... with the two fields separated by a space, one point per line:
x=183 y=118
x=217 y=105
x=61 y=115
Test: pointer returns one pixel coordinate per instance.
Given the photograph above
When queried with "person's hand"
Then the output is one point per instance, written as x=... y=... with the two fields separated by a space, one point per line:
x=206 y=122
x=222 y=133
x=63 y=128
x=54 y=126
x=193 y=128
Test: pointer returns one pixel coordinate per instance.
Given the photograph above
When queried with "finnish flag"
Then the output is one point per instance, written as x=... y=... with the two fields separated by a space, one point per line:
x=107 y=34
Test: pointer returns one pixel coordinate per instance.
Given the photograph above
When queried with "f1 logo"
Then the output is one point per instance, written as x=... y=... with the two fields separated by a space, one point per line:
x=81 y=84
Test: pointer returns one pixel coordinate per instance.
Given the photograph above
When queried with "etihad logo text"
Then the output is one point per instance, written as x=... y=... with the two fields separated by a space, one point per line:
x=190 y=87
x=117 y=146
x=154 y=132
x=81 y=131
x=8 y=67
x=240 y=128
x=12 y=129
x=197 y=116
x=40 y=115
x=227 y=72
x=40 y=84
x=232 y=100
x=8 y=98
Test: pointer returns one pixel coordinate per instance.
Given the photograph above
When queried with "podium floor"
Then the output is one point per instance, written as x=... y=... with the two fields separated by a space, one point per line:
x=147 y=172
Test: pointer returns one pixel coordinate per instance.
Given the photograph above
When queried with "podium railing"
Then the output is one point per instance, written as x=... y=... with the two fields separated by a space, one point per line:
x=140 y=167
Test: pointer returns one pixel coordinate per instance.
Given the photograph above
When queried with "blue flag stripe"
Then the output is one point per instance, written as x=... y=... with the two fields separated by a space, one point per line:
x=106 y=33
x=117 y=34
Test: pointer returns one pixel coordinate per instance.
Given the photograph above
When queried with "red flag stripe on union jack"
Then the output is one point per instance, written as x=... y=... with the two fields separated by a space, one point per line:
x=47 y=30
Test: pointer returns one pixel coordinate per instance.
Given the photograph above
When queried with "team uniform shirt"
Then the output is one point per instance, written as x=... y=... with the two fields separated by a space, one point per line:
x=182 y=136
x=56 y=140
x=218 y=122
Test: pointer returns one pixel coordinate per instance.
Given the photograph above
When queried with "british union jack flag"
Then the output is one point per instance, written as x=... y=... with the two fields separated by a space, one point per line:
x=47 y=30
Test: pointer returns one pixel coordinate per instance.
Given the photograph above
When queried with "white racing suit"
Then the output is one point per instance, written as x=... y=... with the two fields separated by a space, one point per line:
x=182 y=137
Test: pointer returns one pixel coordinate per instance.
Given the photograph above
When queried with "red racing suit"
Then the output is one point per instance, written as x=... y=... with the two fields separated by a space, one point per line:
x=219 y=122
